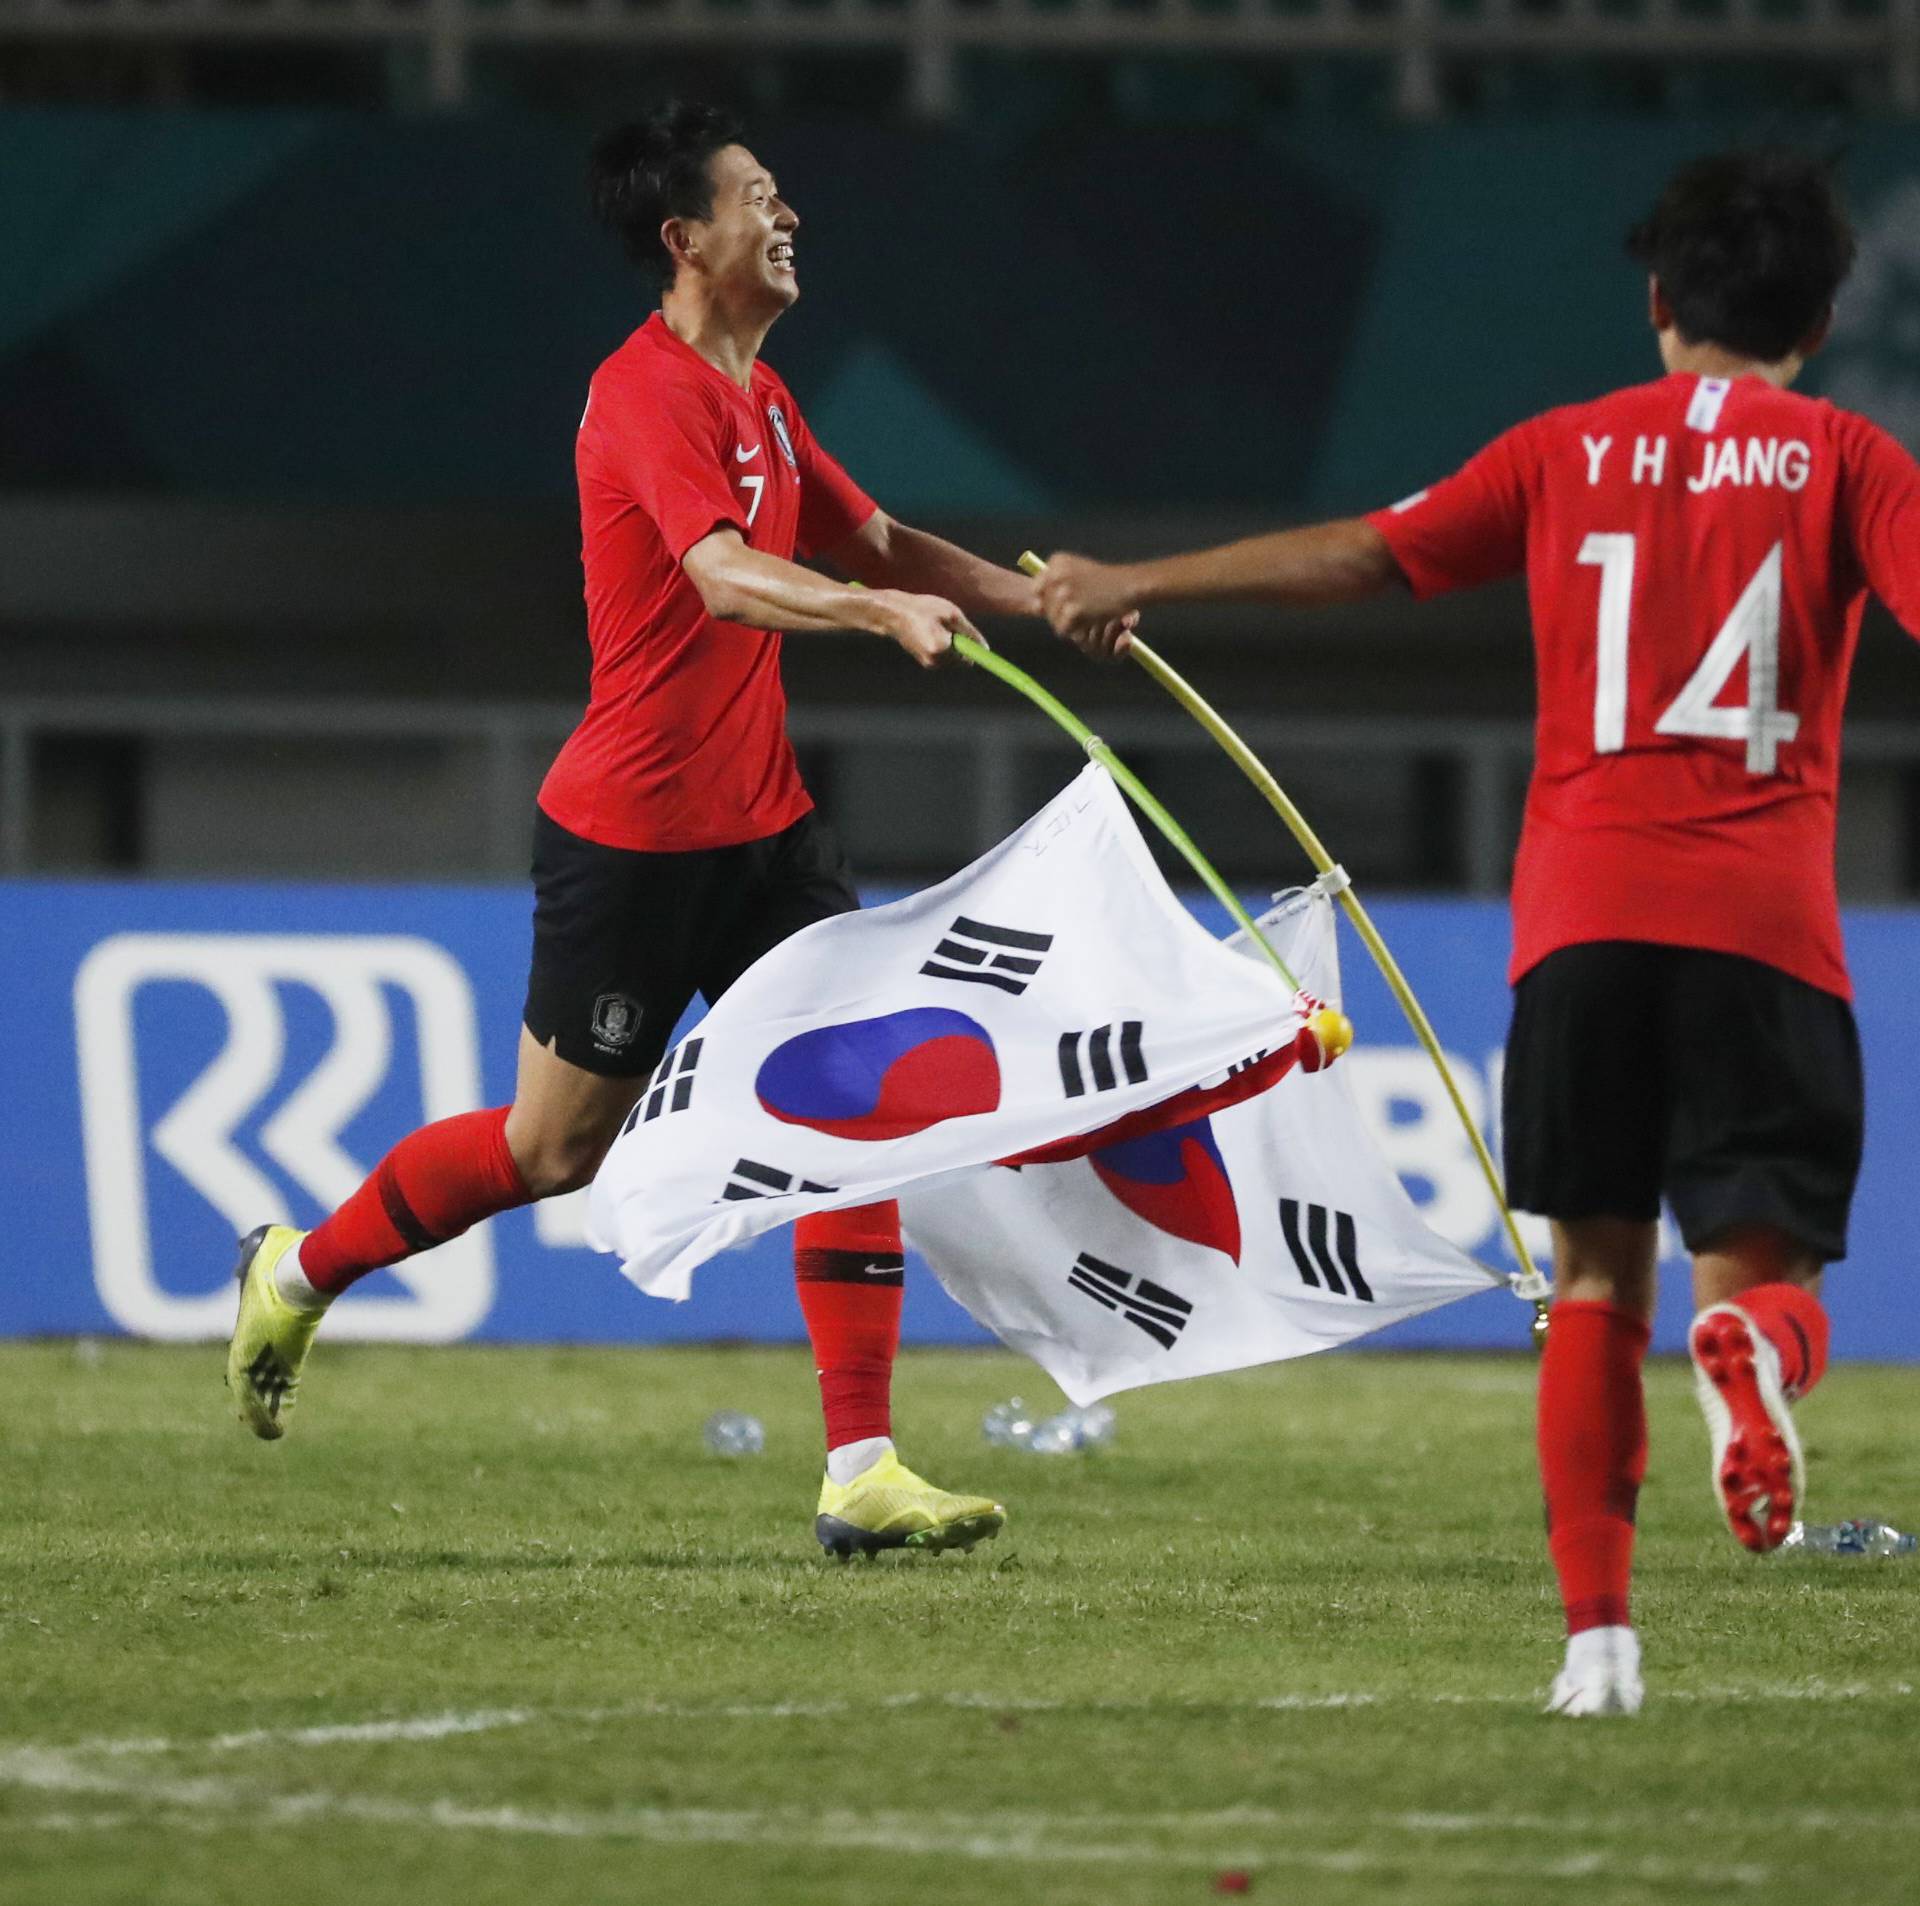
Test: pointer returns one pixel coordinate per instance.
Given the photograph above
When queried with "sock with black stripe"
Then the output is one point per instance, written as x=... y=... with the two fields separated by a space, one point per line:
x=436 y=1183
x=847 y=1271
x=1794 y=1321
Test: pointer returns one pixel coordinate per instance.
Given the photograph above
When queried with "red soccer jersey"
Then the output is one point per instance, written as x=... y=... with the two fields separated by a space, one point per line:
x=1698 y=555
x=684 y=742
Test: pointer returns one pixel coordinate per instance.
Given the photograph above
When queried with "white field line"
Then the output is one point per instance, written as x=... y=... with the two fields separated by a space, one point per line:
x=420 y=1727
x=89 y=1768
x=56 y=1770
x=1030 y=1837
x=447 y=1725
x=81 y=1822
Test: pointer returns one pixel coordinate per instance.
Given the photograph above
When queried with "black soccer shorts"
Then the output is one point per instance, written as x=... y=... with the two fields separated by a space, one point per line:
x=622 y=941
x=1731 y=1088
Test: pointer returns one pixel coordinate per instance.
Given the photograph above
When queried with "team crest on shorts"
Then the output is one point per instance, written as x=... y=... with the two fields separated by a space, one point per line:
x=616 y=1021
x=777 y=418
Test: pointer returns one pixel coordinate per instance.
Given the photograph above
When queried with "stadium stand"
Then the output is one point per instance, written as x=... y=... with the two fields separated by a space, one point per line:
x=232 y=480
x=1191 y=58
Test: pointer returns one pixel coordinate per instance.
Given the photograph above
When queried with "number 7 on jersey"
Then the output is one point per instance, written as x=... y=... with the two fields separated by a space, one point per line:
x=1752 y=629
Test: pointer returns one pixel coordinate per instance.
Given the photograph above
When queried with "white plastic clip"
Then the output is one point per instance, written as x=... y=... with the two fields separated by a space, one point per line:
x=1334 y=880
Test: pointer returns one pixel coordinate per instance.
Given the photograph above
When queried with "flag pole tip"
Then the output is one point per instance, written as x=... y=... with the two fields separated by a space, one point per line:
x=1326 y=1035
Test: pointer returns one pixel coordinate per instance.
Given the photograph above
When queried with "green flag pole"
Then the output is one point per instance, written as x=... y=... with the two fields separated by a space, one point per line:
x=972 y=649
x=1529 y=1284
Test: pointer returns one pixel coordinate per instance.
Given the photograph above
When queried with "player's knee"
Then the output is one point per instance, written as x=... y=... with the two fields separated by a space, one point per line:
x=557 y=1159
x=1606 y=1261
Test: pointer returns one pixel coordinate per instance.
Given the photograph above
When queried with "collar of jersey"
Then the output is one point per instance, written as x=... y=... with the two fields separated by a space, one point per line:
x=658 y=327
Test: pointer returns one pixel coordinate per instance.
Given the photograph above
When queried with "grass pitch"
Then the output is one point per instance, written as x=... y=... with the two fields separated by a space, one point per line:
x=492 y=1626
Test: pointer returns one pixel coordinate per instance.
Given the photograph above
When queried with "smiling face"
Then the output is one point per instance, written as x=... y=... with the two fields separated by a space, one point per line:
x=746 y=247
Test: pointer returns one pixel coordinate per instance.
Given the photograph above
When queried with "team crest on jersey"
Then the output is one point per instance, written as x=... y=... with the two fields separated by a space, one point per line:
x=777 y=418
x=616 y=1020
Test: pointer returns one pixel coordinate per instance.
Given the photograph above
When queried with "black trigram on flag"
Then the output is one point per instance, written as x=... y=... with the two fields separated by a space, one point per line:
x=671 y=1087
x=1337 y=1270
x=1100 y=1053
x=1248 y=1063
x=750 y=1179
x=1004 y=957
x=1143 y=1303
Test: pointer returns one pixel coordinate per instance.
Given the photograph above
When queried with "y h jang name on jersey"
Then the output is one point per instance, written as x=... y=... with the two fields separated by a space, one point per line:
x=1749 y=463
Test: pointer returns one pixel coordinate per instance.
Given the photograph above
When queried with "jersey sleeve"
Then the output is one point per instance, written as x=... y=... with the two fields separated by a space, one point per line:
x=1469 y=528
x=832 y=505
x=664 y=443
x=1882 y=498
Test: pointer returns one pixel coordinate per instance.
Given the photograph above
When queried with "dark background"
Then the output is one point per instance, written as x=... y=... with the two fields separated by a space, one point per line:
x=292 y=348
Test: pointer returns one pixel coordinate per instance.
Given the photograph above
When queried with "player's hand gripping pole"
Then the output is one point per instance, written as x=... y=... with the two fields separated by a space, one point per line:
x=1528 y=1283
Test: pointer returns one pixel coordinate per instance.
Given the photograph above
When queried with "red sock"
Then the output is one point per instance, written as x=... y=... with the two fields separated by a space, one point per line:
x=1593 y=1454
x=846 y=1267
x=433 y=1185
x=1794 y=1321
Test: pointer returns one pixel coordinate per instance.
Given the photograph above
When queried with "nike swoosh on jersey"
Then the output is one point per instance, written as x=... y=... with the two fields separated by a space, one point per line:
x=747 y=456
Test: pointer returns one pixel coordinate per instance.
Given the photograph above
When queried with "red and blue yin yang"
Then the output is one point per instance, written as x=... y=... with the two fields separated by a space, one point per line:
x=1177 y=1181
x=882 y=1078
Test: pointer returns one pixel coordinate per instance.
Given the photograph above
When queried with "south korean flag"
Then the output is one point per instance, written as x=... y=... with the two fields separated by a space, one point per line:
x=1268 y=1229
x=1052 y=987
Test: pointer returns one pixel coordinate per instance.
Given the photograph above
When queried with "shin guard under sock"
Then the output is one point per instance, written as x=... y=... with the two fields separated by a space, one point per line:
x=1794 y=1321
x=1593 y=1455
x=434 y=1184
x=847 y=1270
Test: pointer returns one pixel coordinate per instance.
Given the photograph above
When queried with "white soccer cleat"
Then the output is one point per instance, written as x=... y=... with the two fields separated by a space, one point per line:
x=1758 y=1475
x=1601 y=1675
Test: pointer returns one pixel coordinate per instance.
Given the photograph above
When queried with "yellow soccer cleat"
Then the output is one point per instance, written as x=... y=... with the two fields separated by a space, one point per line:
x=270 y=1336
x=888 y=1507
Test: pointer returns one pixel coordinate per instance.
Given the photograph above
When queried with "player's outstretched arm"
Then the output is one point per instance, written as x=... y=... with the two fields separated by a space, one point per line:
x=884 y=552
x=739 y=584
x=1343 y=561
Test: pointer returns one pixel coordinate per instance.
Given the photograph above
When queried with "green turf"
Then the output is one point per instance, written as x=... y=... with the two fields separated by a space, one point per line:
x=1295 y=1622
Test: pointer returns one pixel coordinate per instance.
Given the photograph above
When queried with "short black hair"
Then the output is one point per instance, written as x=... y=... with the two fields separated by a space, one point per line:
x=656 y=168
x=1750 y=247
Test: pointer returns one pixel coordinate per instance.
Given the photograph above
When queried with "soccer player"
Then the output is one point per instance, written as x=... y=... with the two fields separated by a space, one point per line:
x=673 y=840
x=1698 y=553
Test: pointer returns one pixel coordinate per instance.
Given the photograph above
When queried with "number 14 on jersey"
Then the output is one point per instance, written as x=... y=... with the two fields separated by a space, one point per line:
x=1752 y=629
